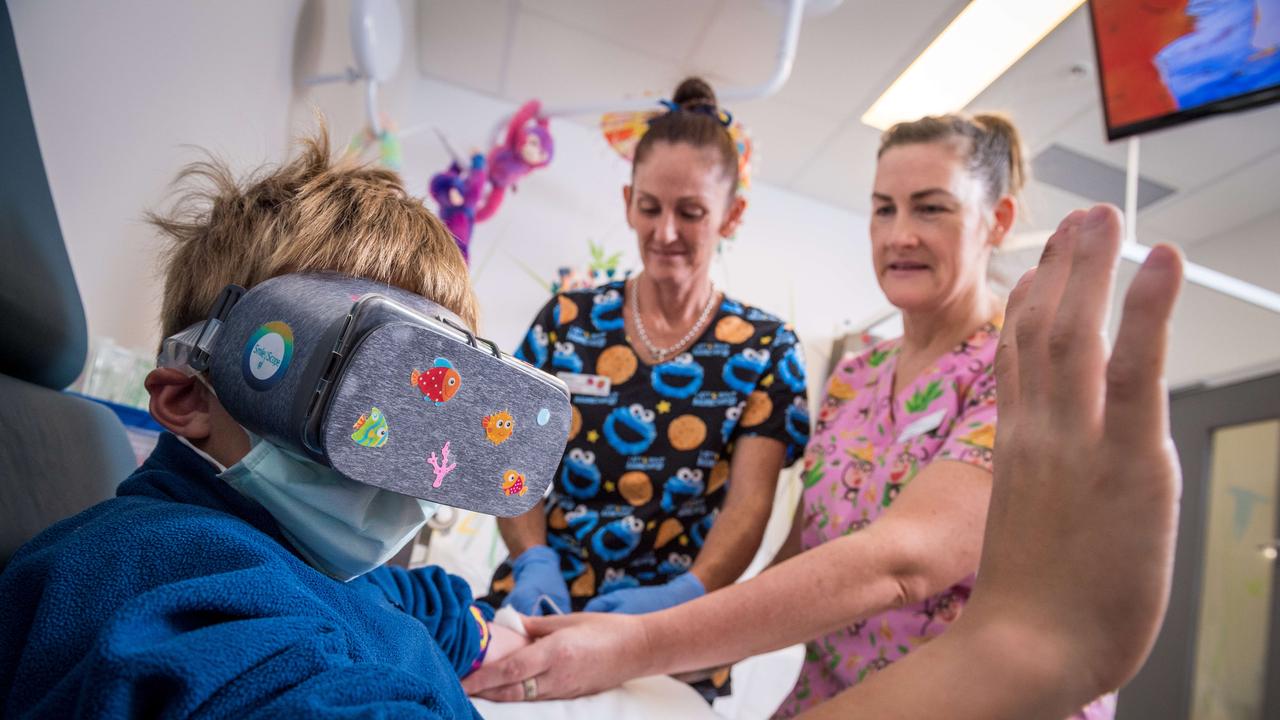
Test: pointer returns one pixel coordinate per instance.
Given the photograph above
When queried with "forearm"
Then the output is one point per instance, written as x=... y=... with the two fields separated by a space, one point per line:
x=736 y=534
x=524 y=531
x=929 y=540
x=823 y=589
x=733 y=542
x=975 y=671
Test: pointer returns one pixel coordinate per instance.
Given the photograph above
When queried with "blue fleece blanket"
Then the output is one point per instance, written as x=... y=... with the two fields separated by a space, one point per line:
x=180 y=598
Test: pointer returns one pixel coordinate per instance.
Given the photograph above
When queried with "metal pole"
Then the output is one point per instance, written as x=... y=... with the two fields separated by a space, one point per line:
x=1221 y=282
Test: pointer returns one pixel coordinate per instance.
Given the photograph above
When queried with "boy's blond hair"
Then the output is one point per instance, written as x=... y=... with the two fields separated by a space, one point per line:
x=312 y=214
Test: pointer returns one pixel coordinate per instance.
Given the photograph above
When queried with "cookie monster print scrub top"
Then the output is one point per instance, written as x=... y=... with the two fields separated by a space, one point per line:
x=645 y=468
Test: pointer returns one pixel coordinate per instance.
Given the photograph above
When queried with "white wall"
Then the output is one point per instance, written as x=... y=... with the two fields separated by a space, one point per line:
x=120 y=90
x=116 y=90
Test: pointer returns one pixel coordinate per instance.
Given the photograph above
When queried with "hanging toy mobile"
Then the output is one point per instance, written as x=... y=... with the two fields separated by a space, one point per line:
x=528 y=146
x=387 y=141
x=461 y=194
x=457 y=193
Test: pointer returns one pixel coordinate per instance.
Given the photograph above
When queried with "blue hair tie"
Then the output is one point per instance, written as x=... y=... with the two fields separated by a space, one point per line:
x=721 y=116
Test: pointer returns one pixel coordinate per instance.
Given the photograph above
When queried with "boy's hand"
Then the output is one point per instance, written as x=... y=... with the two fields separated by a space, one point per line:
x=502 y=642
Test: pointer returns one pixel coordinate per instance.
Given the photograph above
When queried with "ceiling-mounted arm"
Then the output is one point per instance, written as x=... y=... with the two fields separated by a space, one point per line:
x=377 y=40
x=790 y=37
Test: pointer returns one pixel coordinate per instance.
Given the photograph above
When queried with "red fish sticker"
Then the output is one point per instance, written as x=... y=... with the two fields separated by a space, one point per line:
x=513 y=484
x=438 y=384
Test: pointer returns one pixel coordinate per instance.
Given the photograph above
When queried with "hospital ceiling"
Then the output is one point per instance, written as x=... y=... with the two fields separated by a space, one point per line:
x=1224 y=172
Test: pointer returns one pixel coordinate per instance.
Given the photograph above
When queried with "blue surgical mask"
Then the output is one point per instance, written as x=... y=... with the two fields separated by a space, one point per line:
x=342 y=528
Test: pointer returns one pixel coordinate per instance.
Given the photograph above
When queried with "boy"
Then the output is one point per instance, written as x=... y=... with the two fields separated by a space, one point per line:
x=192 y=593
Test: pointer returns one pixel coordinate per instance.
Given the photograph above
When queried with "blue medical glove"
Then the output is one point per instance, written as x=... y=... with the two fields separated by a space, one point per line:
x=537 y=574
x=634 y=601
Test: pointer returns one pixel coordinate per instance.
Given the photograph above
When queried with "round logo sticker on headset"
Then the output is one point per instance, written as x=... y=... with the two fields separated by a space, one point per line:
x=267 y=355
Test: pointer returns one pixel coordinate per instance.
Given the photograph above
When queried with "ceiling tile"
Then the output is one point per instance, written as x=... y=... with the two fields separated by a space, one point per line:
x=462 y=42
x=1230 y=202
x=784 y=136
x=1041 y=93
x=740 y=45
x=1069 y=170
x=667 y=30
x=558 y=64
x=1044 y=206
x=844 y=59
x=1188 y=155
x=842 y=172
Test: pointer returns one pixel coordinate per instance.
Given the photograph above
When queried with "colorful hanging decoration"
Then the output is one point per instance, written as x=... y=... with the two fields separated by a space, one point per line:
x=466 y=197
x=528 y=146
x=458 y=194
x=623 y=130
x=387 y=142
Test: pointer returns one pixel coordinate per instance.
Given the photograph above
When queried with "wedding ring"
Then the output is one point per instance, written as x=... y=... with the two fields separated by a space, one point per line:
x=530 y=689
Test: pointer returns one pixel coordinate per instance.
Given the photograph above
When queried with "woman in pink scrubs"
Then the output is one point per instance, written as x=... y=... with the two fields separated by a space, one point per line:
x=903 y=442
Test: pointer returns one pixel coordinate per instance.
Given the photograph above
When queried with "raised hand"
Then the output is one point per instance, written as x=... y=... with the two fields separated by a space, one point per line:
x=1080 y=535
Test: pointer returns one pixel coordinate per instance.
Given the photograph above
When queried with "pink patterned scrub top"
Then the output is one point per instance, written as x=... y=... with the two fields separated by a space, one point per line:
x=866 y=446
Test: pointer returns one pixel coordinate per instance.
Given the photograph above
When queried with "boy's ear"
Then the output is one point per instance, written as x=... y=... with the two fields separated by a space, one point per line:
x=180 y=403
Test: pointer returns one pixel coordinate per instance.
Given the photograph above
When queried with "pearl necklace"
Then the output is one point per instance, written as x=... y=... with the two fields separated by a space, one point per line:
x=660 y=354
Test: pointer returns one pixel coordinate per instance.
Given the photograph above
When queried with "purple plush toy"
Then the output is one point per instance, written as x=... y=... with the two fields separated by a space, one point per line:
x=527 y=147
x=458 y=195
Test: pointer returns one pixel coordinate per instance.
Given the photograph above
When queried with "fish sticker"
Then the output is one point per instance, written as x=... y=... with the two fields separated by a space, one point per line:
x=371 y=429
x=513 y=484
x=498 y=427
x=439 y=384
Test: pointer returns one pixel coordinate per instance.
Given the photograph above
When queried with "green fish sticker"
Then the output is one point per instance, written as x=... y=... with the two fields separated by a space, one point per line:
x=371 y=429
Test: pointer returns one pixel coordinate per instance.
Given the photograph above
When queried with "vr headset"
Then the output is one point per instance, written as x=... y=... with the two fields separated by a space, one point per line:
x=384 y=386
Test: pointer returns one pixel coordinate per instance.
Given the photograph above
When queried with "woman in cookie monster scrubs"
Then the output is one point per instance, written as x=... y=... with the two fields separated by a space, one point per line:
x=686 y=403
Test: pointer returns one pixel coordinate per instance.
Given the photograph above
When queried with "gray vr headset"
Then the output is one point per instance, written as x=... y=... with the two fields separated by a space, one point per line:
x=384 y=386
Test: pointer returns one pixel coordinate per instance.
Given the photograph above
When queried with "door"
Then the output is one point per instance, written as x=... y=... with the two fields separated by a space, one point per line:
x=1218 y=654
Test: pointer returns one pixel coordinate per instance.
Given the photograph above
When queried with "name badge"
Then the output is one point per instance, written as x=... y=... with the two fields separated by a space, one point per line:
x=580 y=384
x=922 y=426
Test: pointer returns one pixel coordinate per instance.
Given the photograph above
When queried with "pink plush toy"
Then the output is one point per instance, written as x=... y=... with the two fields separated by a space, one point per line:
x=528 y=147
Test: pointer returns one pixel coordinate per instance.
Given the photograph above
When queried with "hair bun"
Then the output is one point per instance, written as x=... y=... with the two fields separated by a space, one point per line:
x=1001 y=128
x=694 y=92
